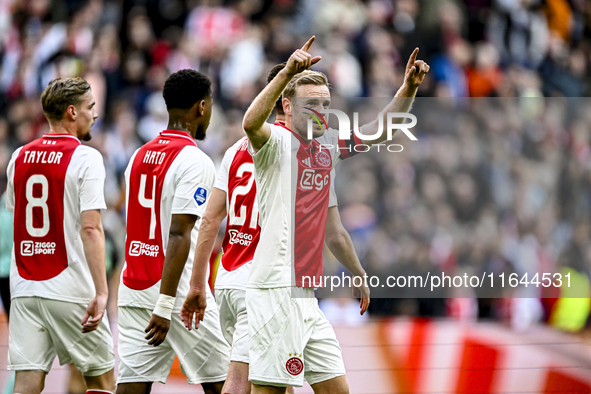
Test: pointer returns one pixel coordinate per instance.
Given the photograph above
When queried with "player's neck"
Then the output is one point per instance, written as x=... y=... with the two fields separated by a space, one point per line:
x=61 y=128
x=294 y=131
x=179 y=126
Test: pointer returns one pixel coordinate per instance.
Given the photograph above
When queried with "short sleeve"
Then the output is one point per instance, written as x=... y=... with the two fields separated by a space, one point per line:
x=10 y=185
x=221 y=180
x=332 y=198
x=273 y=148
x=194 y=182
x=92 y=181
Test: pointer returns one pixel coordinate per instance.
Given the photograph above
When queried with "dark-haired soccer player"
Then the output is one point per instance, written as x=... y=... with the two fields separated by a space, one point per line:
x=57 y=274
x=169 y=182
x=290 y=338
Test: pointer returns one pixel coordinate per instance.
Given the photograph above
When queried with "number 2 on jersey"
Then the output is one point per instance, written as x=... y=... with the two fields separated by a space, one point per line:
x=241 y=191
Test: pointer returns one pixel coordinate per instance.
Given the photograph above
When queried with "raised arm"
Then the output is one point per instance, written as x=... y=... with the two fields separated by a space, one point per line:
x=179 y=245
x=413 y=77
x=93 y=241
x=254 y=122
x=196 y=300
x=339 y=242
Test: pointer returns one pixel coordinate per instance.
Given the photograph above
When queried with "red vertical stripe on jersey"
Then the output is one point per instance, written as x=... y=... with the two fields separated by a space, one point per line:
x=143 y=251
x=311 y=210
x=241 y=239
x=39 y=181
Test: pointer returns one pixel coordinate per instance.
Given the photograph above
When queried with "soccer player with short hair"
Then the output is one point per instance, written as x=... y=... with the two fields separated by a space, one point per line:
x=169 y=182
x=57 y=274
x=234 y=196
x=290 y=338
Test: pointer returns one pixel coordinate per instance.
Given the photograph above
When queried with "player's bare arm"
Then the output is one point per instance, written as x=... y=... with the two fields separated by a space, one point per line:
x=179 y=245
x=93 y=239
x=196 y=300
x=339 y=242
x=413 y=78
x=254 y=123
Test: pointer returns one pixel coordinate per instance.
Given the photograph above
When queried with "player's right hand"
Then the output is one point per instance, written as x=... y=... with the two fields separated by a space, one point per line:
x=157 y=330
x=301 y=60
x=94 y=313
x=363 y=292
x=194 y=306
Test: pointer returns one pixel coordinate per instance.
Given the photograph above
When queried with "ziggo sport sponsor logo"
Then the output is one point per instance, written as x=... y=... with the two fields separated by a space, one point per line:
x=30 y=248
x=138 y=248
x=239 y=238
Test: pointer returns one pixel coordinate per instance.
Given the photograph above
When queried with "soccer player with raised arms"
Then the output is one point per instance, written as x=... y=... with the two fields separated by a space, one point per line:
x=290 y=338
x=234 y=195
x=169 y=182
x=57 y=275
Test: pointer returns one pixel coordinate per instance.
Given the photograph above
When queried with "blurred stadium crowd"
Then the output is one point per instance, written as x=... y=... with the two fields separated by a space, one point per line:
x=493 y=184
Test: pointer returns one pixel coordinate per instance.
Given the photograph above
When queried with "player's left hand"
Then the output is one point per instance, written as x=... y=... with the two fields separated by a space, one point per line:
x=157 y=330
x=415 y=70
x=94 y=313
x=194 y=305
x=362 y=291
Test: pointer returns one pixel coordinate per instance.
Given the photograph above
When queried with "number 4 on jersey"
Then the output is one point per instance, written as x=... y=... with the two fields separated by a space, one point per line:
x=148 y=203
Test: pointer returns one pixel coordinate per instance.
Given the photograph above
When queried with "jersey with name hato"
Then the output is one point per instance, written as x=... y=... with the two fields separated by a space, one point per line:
x=50 y=182
x=169 y=175
x=294 y=179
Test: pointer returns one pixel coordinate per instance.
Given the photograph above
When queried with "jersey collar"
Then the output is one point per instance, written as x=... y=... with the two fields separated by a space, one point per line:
x=305 y=143
x=60 y=135
x=178 y=133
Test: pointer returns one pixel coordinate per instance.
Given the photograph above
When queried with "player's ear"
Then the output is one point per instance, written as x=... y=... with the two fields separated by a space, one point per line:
x=71 y=112
x=201 y=107
x=196 y=110
x=286 y=106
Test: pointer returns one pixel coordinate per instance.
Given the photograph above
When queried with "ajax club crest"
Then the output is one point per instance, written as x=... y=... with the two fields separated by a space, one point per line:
x=294 y=366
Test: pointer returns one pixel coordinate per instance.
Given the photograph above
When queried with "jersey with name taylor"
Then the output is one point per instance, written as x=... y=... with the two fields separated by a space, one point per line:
x=50 y=182
x=169 y=175
x=294 y=179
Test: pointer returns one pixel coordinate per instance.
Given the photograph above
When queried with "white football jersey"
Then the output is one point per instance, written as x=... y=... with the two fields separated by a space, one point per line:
x=294 y=182
x=168 y=175
x=50 y=182
x=236 y=178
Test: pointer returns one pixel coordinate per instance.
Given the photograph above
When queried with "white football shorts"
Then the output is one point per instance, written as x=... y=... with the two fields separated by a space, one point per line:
x=234 y=321
x=290 y=339
x=41 y=328
x=204 y=354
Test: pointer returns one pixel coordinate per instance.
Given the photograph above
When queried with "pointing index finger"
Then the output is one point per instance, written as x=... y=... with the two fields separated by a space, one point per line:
x=308 y=44
x=413 y=57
